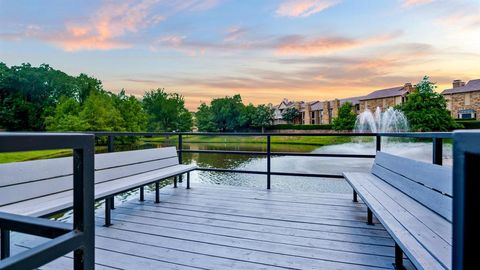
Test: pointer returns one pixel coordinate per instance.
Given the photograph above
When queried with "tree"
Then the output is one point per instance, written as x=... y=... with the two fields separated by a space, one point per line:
x=263 y=117
x=226 y=113
x=132 y=112
x=346 y=117
x=204 y=118
x=66 y=117
x=100 y=114
x=166 y=111
x=426 y=110
x=290 y=114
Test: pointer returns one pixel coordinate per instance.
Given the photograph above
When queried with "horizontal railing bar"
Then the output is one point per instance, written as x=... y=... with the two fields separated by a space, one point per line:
x=259 y=153
x=271 y=173
x=34 y=226
x=444 y=135
x=44 y=253
x=31 y=141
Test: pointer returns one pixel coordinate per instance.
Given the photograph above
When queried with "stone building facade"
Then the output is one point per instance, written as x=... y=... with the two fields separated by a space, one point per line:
x=463 y=100
x=385 y=98
x=315 y=112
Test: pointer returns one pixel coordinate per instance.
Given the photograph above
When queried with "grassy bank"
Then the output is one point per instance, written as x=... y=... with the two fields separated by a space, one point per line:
x=306 y=140
x=276 y=140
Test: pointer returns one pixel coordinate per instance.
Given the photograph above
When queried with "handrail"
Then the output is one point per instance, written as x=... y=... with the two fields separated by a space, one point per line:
x=64 y=237
x=437 y=140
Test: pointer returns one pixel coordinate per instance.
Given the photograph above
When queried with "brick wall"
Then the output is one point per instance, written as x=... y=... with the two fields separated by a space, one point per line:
x=463 y=101
x=383 y=103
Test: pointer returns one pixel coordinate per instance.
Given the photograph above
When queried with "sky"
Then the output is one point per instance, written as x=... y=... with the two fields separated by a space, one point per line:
x=265 y=50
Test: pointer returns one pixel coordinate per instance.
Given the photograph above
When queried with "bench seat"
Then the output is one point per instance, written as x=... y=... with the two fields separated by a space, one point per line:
x=416 y=215
x=44 y=187
x=46 y=205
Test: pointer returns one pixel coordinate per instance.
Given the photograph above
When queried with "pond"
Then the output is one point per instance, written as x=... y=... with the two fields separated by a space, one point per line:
x=315 y=165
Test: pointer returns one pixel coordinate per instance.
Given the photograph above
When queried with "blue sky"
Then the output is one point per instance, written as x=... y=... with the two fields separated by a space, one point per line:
x=263 y=49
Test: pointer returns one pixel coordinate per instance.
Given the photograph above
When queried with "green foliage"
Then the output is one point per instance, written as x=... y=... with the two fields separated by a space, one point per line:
x=301 y=127
x=204 y=119
x=230 y=114
x=66 y=117
x=346 y=117
x=100 y=114
x=290 y=114
x=227 y=113
x=263 y=117
x=468 y=124
x=426 y=110
x=131 y=110
x=166 y=111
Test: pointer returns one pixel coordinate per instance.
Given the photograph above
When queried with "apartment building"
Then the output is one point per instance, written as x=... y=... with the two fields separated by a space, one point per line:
x=463 y=99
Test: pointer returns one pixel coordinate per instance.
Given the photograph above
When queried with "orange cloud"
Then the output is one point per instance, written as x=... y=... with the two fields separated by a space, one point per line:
x=304 y=8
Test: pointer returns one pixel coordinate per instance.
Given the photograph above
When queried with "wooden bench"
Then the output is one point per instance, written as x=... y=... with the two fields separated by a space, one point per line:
x=413 y=201
x=43 y=187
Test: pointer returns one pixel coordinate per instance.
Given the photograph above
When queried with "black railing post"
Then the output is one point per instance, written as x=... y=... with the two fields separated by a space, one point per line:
x=5 y=244
x=111 y=144
x=83 y=204
x=437 y=151
x=466 y=236
x=378 y=143
x=111 y=148
x=180 y=155
x=269 y=162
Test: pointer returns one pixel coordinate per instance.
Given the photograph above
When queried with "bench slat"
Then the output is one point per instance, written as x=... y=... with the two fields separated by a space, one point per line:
x=439 y=225
x=434 y=200
x=55 y=202
x=115 y=159
x=28 y=171
x=431 y=175
x=375 y=200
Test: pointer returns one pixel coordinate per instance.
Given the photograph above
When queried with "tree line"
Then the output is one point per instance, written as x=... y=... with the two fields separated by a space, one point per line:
x=44 y=99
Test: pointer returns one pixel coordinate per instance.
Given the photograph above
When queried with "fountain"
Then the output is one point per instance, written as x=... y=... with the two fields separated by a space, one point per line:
x=391 y=120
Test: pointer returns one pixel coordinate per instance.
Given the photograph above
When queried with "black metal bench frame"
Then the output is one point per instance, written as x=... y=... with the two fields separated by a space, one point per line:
x=64 y=237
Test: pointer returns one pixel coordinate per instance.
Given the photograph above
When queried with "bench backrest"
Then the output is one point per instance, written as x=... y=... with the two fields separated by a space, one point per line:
x=429 y=184
x=22 y=181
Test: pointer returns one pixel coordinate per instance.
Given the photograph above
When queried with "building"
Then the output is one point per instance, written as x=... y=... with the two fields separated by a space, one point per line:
x=314 y=112
x=463 y=100
x=385 y=98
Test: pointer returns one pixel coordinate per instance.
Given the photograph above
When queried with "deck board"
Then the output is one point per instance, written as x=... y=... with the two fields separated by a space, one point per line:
x=224 y=227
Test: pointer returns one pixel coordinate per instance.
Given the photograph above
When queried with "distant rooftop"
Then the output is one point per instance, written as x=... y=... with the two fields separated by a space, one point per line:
x=472 y=85
x=388 y=92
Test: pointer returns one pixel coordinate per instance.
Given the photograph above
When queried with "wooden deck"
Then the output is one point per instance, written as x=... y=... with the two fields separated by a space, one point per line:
x=221 y=227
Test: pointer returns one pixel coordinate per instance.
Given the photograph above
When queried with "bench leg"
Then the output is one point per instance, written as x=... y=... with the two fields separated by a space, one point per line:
x=355 y=199
x=157 y=192
x=175 y=182
x=369 y=217
x=112 y=203
x=108 y=209
x=188 y=180
x=5 y=244
x=180 y=178
x=142 y=194
x=398 y=258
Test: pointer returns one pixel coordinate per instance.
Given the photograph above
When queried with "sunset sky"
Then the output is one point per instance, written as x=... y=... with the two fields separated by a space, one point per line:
x=264 y=50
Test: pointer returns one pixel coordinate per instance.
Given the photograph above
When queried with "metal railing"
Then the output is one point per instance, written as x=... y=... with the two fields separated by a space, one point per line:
x=437 y=141
x=64 y=237
x=466 y=199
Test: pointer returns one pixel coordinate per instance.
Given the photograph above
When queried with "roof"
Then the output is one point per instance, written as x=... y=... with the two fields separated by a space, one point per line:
x=353 y=100
x=383 y=93
x=471 y=86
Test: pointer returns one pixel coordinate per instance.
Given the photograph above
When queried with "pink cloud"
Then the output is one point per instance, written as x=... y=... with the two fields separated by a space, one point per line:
x=304 y=8
x=411 y=3
x=299 y=45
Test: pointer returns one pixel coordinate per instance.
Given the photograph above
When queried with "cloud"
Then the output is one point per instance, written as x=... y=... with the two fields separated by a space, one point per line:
x=300 y=45
x=111 y=25
x=411 y=3
x=303 y=8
